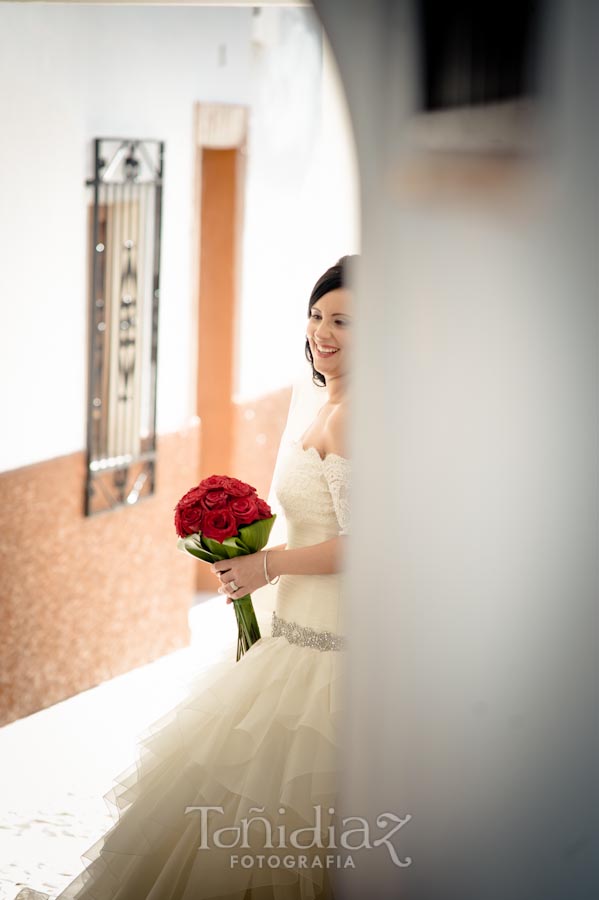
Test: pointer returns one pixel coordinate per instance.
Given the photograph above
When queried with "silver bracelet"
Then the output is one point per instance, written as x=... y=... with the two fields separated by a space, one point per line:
x=274 y=581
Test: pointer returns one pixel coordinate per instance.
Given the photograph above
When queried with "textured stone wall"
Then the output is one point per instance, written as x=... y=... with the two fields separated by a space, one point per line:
x=84 y=599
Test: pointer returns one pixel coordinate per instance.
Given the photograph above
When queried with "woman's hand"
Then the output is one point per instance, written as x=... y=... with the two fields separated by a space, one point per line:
x=246 y=571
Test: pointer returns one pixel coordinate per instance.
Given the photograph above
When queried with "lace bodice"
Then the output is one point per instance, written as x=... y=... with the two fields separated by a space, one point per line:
x=314 y=491
x=314 y=495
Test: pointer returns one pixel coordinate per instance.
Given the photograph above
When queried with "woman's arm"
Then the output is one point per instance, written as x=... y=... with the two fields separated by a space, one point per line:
x=247 y=571
x=318 y=559
x=325 y=558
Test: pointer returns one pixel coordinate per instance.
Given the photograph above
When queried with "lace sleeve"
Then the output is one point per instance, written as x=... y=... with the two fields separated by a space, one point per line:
x=337 y=474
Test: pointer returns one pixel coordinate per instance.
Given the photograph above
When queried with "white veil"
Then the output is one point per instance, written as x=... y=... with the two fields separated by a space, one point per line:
x=306 y=399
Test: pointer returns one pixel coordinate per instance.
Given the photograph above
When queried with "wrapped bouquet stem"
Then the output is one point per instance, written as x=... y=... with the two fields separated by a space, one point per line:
x=223 y=517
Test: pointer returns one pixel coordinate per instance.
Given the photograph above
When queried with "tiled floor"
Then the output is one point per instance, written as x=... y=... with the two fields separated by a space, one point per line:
x=56 y=765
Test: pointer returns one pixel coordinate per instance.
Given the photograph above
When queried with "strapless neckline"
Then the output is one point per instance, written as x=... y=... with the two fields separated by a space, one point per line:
x=322 y=459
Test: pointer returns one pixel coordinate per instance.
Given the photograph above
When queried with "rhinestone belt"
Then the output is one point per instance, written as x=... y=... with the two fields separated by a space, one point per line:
x=307 y=637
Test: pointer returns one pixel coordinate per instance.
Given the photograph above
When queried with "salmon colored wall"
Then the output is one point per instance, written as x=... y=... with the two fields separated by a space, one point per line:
x=86 y=598
x=217 y=317
x=259 y=425
x=217 y=308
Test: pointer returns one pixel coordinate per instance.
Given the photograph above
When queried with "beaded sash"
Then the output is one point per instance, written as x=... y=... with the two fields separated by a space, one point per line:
x=307 y=637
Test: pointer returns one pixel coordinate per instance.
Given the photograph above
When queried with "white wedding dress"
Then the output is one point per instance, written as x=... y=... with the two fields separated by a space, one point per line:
x=257 y=739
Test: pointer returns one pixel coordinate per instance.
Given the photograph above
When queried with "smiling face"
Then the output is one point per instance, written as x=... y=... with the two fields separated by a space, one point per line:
x=328 y=332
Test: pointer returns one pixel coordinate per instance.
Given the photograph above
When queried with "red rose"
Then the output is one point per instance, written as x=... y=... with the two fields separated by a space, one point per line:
x=219 y=524
x=189 y=513
x=237 y=488
x=217 y=506
x=245 y=509
x=214 y=499
x=264 y=510
x=213 y=481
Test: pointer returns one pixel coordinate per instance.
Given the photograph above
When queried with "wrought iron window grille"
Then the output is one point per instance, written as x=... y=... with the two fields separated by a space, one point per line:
x=125 y=231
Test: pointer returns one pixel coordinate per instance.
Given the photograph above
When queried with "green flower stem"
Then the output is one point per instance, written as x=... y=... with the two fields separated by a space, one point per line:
x=249 y=632
x=251 y=539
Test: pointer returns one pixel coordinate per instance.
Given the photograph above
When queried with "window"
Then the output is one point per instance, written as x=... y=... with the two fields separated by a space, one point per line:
x=123 y=322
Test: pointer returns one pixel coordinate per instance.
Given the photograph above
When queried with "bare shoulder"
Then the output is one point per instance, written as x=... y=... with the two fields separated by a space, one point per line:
x=336 y=430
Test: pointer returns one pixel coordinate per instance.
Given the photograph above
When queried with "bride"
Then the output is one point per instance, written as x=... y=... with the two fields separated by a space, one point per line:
x=233 y=794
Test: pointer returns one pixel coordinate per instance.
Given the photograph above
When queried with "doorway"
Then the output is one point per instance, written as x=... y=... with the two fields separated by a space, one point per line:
x=221 y=135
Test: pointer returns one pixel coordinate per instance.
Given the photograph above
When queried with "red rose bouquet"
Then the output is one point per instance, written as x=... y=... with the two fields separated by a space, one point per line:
x=221 y=518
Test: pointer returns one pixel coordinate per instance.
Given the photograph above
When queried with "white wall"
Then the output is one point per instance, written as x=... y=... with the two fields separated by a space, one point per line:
x=79 y=72
x=302 y=194
x=69 y=74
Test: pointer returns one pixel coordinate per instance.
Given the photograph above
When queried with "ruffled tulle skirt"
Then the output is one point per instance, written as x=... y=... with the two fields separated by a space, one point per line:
x=233 y=793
